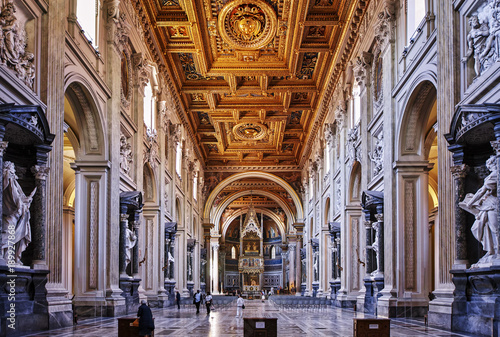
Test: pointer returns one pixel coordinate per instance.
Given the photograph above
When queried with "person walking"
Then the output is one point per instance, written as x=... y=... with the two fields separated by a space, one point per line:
x=178 y=300
x=146 y=322
x=240 y=305
x=208 y=302
x=197 y=300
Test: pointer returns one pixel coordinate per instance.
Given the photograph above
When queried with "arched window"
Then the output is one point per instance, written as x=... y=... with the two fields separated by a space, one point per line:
x=88 y=18
x=415 y=13
x=273 y=252
x=195 y=185
x=149 y=109
x=233 y=253
x=178 y=159
x=356 y=105
x=327 y=158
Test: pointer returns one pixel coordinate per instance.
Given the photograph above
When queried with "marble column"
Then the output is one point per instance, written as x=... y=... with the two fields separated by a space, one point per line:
x=123 y=238
x=3 y=147
x=368 y=246
x=291 y=258
x=496 y=146
x=283 y=270
x=380 y=239
x=215 y=268
x=134 y=268
x=39 y=217
x=461 y=259
x=166 y=269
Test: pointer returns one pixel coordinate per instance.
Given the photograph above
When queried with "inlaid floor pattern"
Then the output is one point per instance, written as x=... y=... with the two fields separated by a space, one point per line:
x=222 y=322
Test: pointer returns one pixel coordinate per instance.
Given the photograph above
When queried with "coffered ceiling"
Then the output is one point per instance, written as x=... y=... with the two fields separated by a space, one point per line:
x=250 y=73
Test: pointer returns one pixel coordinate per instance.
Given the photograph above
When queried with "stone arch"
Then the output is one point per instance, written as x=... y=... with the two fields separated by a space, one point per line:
x=327 y=210
x=149 y=185
x=355 y=184
x=417 y=106
x=265 y=211
x=90 y=130
x=415 y=187
x=220 y=209
x=208 y=212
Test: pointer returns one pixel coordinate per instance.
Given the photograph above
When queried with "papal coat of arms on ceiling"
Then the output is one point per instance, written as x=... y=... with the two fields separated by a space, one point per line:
x=247 y=24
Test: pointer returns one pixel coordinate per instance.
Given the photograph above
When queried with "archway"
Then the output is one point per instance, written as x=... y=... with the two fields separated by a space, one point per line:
x=209 y=211
x=416 y=185
x=85 y=171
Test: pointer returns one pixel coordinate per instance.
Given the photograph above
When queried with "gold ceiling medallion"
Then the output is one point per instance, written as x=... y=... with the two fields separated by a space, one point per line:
x=249 y=131
x=247 y=24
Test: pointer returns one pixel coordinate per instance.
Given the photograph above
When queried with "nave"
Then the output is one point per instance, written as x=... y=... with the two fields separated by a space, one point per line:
x=329 y=321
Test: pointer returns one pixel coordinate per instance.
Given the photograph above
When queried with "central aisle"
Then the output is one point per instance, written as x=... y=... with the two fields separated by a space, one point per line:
x=222 y=322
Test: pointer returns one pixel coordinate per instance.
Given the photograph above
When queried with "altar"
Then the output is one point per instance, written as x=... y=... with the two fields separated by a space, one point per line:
x=251 y=261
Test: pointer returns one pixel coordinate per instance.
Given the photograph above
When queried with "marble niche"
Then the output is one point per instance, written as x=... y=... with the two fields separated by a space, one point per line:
x=25 y=142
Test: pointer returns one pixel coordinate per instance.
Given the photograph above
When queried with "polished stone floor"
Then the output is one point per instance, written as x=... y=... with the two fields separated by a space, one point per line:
x=222 y=322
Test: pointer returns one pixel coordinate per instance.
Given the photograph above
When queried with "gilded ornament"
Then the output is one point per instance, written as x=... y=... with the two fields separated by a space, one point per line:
x=247 y=24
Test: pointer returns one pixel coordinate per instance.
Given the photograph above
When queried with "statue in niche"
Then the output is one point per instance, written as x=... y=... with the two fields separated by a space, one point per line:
x=125 y=155
x=476 y=43
x=377 y=156
x=254 y=246
x=315 y=267
x=130 y=241
x=16 y=229
x=375 y=245
x=484 y=205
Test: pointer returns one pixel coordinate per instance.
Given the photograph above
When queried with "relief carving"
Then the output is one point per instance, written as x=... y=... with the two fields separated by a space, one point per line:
x=13 y=41
x=125 y=155
x=377 y=155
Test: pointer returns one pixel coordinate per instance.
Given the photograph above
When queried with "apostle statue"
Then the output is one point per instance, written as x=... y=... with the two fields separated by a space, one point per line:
x=16 y=231
x=129 y=244
x=484 y=205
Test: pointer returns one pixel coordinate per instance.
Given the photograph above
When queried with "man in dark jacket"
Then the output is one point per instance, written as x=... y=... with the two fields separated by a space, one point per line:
x=146 y=323
x=178 y=299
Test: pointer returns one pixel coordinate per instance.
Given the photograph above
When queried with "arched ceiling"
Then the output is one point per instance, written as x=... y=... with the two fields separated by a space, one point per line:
x=251 y=76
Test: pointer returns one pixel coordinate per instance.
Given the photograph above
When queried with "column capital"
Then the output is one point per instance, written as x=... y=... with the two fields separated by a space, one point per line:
x=3 y=146
x=40 y=172
x=495 y=144
x=459 y=171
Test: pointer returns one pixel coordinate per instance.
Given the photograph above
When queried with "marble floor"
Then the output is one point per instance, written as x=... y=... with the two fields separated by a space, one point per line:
x=222 y=322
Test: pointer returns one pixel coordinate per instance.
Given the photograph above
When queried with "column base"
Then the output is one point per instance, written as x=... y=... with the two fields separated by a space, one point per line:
x=60 y=308
x=440 y=309
x=476 y=303
x=130 y=292
x=27 y=292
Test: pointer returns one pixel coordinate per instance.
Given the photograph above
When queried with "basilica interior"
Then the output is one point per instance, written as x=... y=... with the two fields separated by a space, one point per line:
x=345 y=150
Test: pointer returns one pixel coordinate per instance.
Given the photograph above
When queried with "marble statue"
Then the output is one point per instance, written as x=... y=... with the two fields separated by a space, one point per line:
x=377 y=156
x=12 y=45
x=476 y=43
x=129 y=244
x=375 y=244
x=16 y=229
x=484 y=205
x=125 y=155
